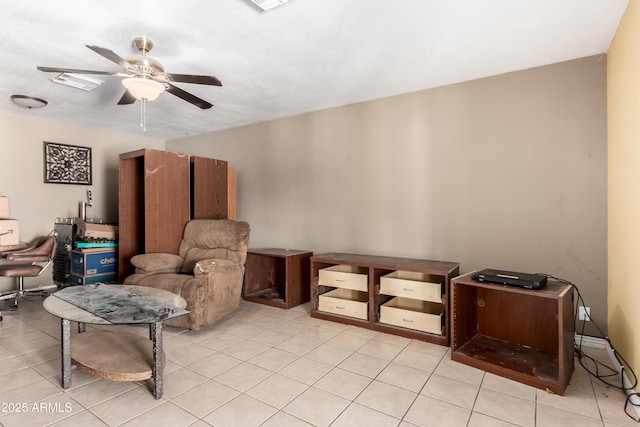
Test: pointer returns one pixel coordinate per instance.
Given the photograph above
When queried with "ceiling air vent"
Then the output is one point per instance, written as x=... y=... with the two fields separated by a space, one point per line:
x=78 y=81
x=268 y=4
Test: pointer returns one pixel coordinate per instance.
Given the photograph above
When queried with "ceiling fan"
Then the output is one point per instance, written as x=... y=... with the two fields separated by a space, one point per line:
x=144 y=77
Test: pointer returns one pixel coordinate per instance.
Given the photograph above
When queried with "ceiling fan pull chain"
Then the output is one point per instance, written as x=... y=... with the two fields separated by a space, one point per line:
x=143 y=115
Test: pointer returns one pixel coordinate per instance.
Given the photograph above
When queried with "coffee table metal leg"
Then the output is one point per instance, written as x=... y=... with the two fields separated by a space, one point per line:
x=66 y=353
x=156 y=334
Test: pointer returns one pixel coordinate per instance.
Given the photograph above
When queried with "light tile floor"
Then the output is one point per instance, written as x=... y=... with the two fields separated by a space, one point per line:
x=263 y=366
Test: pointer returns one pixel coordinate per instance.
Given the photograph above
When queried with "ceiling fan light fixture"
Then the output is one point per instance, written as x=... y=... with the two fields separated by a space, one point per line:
x=143 y=88
x=29 y=102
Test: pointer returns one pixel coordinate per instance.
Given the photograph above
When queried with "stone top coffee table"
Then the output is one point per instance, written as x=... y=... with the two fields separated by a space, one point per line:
x=116 y=356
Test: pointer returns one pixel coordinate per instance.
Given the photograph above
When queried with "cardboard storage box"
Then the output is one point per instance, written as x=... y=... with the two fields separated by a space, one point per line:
x=413 y=314
x=9 y=232
x=344 y=276
x=346 y=302
x=4 y=207
x=413 y=284
x=96 y=231
x=96 y=278
x=89 y=263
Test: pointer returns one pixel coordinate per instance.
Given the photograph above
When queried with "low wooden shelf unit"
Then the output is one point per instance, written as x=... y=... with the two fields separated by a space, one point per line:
x=277 y=277
x=400 y=296
x=521 y=334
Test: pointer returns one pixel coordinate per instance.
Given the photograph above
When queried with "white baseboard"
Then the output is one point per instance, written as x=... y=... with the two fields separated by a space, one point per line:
x=591 y=341
x=602 y=343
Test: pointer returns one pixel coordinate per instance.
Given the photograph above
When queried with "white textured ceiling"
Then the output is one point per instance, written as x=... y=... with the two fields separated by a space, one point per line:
x=302 y=56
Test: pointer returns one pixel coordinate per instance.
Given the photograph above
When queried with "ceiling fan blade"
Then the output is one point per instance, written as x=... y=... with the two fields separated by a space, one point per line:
x=190 y=78
x=74 y=71
x=111 y=56
x=127 y=98
x=189 y=97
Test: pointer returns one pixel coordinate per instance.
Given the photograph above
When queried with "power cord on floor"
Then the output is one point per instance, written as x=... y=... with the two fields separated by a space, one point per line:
x=594 y=370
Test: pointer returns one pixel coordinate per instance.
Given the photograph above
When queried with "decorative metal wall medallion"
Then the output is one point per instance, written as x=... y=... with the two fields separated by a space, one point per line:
x=67 y=164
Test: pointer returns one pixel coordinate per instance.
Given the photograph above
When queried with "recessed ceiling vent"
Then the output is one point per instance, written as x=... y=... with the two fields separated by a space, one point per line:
x=268 y=4
x=78 y=81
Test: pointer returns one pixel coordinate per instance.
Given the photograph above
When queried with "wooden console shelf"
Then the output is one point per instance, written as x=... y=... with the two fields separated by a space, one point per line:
x=521 y=334
x=400 y=296
x=277 y=277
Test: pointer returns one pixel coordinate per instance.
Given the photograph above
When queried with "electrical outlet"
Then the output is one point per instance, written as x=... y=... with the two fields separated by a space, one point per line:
x=584 y=313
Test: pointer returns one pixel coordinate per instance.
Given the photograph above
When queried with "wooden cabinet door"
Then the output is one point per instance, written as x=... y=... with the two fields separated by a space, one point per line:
x=154 y=194
x=166 y=200
x=209 y=186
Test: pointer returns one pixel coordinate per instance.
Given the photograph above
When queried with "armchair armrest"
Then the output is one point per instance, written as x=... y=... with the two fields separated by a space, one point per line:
x=8 y=252
x=25 y=249
x=222 y=280
x=214 y=265
x=155 y=263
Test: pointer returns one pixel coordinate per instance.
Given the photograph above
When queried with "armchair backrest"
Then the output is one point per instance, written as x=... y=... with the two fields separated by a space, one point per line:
x=41 y=249
x=214 y=238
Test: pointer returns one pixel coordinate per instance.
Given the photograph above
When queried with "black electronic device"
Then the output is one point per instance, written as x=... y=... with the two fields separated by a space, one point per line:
x=511 y=278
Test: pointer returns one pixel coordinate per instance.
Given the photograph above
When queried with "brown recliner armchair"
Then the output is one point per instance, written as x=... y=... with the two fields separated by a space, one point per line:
x=207 y=272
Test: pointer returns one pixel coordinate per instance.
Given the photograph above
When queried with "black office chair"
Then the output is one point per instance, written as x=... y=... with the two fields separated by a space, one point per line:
x=31 y=261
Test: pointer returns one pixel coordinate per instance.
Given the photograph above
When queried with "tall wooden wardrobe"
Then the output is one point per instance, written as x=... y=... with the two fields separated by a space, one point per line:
x=159 y=191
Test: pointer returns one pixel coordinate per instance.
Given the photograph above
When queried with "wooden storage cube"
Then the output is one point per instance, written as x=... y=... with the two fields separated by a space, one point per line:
x=521 y=334
x=413 y=284
x=346 y=302
x=414 y=314
x=344 y=276
x=277 y=277
x=265 y=277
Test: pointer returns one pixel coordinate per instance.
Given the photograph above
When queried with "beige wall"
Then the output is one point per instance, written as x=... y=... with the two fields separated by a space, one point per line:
x=623 y=82
x=506 y=172
x=37 y=205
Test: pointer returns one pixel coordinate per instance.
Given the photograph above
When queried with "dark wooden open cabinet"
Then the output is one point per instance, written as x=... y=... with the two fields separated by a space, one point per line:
x=521 y=334
x=277 y=277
